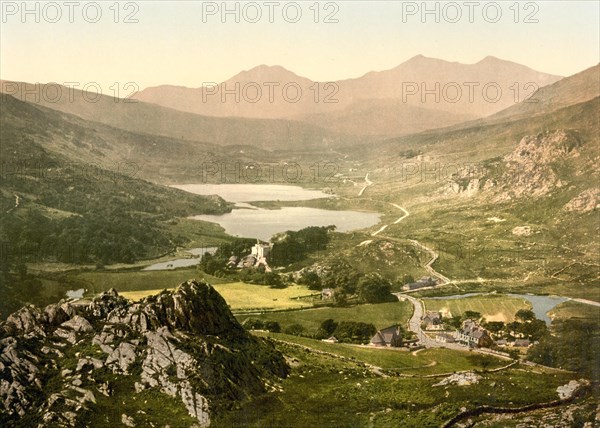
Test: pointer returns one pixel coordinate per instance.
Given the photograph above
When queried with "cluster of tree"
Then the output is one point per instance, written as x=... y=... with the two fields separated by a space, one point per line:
x=291 y=246
x=344 y=331
x=525 y=325
x=238 y=247
x=572 y=346
x=261 y=277
x=373 y=288
x=354 y=332
x=311 y=280
x=259 y=324
x=217 y=264
x=347 y=281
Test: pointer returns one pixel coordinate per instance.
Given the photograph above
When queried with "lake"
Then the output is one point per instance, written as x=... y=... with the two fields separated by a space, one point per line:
x=540 y=305
x=262 y=223
x=252 y=222
x=254 y=192
x=178 y=263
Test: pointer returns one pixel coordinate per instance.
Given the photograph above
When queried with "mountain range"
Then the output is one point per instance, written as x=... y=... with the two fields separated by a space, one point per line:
x=419 y=94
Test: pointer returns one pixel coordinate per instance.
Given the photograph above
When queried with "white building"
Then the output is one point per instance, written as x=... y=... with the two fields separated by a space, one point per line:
x=261 y=250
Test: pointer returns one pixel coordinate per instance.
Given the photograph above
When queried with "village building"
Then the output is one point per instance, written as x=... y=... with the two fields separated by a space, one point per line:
x=260 y=250
x=331 y=339
x=522 y=343
x=247 y=262
x=444 y=338
x=390 y=336
x=426 y=281
x=233 y=261
x=472 y=334
x=433 y=320
x=327 y=293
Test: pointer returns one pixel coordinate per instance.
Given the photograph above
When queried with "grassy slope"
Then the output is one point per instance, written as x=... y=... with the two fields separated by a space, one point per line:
x=380 y=315
x=326 y=391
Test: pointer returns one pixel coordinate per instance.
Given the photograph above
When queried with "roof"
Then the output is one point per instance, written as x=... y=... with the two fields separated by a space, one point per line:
x=378 y=339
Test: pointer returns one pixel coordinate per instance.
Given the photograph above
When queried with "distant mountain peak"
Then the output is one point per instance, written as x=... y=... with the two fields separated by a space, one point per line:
x=263 y=72
x=490 y=58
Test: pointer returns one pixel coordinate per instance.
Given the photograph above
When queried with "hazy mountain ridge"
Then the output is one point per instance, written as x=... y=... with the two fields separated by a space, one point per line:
x=321 y=104
x=151 y=119
x=574 y=89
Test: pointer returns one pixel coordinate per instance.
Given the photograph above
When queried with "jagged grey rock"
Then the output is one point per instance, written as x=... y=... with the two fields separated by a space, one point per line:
x=185 y=344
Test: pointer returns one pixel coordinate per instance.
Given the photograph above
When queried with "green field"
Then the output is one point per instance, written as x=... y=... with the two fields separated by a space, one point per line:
x=579 y=310
x=380 y=315
x=324 y=390
x=241 y=296
x=424 y=362
x=491 y=307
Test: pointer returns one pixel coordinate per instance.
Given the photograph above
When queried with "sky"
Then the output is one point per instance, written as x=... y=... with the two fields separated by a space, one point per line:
x=189 y=43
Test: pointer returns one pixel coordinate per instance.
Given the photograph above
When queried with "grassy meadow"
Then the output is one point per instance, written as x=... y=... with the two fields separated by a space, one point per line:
x=492 y=307
x=241 y=296
x=381 y=315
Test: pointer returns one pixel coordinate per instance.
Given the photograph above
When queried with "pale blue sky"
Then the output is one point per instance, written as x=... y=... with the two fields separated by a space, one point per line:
x=172 y=45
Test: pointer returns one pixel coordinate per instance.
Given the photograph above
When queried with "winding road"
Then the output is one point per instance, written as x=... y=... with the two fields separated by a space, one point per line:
x=434 y=256
x=368 y=183
x=414 y=325
x=17 y=200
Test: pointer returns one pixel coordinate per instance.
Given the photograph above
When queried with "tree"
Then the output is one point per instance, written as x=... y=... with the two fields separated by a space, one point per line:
x=329 y=326
x=455 y=321
x=471 y=315
x=294 y=330
x=534 y=330
x=354 y=332
x=339 y=297
x=525 y=315
x=373 y=288
x=311 y=280
x=407 y=279
x=495 y=326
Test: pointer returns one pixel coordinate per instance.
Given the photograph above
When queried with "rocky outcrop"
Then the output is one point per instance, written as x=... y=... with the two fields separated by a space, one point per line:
x=586 y=201
x=530 y=170
x=460 y=379
x=58 y=365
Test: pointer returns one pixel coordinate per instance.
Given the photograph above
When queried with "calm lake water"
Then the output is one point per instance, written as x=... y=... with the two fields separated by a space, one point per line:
x=75 y=294
x=263 y=224
x=540 y=305
x=252 y=222
x=178 y=263
x=254 y=192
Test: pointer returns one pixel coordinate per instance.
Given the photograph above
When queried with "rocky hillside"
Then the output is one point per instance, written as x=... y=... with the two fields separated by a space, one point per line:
x=538 y=165
x=178 y=358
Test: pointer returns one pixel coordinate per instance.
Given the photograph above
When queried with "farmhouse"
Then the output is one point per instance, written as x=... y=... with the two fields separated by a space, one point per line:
x=432 y=320
x=472 y=334
x=391 y=336
x=426 y=281
x=331 y=339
